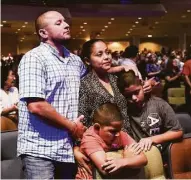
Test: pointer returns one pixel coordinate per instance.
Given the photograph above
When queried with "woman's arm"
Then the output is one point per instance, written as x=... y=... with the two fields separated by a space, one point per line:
x=6 y=111
x=169 y=79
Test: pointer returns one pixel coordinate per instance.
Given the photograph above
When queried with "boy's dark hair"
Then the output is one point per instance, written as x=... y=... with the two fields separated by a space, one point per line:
x=126 y=79
x=131 y=51
x=107 y=113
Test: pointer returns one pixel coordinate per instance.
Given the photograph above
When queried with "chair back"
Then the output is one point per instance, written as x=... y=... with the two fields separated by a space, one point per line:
x=11 y=165
x=185 y=121
x=153 y=169
x=176 y=96
x=179 y=161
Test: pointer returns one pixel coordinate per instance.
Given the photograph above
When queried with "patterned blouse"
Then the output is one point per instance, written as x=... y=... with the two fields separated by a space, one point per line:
x=93 y=94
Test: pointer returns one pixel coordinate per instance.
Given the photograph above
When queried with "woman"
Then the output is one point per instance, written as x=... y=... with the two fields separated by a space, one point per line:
x=172 y=76
x=98 y=86
x=9 y=94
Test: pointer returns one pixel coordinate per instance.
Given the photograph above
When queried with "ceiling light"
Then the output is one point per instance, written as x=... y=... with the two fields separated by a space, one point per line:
x=139 y=18
x=26 y=22
x=83 y=30
x=136 y=22
x=85 y=23
x=16 y=32
x=150 y=35
x=112 y=19
x=1 y=25
x=130 y=29
x=21 y=40
x=81 y=26
x=133 y=26
x=4 y=21
x=34 y=32
x=183 y=16
x=188 y=10
x=109 y=22
x=80 y=32
x=23 y=26
x=126 y=34
x=156 y=22
x=18 y=29
x=106 y=26
x=103 y=29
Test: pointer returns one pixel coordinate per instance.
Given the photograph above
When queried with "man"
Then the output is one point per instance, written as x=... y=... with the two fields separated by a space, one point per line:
x=49 y=85
x=152 y=119
x=187 y=74
x=130 y=58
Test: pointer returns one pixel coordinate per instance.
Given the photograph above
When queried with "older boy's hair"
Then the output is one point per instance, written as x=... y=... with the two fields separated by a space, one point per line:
x=126 y=79
x=107 y=113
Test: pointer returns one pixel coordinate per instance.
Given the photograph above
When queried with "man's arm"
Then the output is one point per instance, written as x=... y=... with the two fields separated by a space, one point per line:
x=188 y=80
x=43 y=109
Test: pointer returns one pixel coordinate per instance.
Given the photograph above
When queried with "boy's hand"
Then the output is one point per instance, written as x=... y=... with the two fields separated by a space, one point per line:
x=81 y=159
x=112 y=165
x=132 y=149
x=146 y=143
x=78 y=128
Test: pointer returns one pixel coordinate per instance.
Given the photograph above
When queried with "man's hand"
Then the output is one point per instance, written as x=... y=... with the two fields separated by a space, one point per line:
x=81 y=159
x=146 y=143
x=78 y=128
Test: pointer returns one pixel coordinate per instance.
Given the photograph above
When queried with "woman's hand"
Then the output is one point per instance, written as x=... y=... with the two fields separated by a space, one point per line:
x=148 y=84
x=81 y=159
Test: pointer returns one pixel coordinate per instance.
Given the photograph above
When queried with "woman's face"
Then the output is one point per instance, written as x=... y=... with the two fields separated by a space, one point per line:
x=175 y=63
x=100 y=57
x=10 y=79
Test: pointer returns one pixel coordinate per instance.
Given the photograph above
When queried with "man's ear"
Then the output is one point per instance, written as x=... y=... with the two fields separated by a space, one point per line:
x=43 y=33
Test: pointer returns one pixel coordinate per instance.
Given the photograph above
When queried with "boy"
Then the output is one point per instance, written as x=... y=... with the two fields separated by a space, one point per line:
x=152 y=119
x=106 y=135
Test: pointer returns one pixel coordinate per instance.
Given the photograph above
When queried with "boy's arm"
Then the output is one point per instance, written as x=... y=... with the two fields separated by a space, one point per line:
x=146 y=143
x=135 y=161
x=99 y=158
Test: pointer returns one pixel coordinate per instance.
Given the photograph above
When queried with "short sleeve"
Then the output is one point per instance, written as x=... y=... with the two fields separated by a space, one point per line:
x=31 y=77
x=91 y=144
x=186 y=69
x=169 y=117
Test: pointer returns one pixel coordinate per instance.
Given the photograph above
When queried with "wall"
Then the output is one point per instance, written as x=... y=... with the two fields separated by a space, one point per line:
x=8 y=44
x=117 y=46
x=155 y=44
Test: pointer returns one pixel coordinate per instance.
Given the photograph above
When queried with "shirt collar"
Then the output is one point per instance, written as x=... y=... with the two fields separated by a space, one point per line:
x=55 y=51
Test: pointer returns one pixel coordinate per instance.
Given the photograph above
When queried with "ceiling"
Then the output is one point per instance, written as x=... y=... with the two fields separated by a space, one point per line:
x=157 y=18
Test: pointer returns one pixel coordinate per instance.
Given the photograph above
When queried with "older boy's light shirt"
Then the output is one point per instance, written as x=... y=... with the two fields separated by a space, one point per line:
x=44 y=74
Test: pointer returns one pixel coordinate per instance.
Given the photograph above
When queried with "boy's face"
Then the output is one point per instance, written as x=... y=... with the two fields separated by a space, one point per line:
x=111 y=132
x=134 y=95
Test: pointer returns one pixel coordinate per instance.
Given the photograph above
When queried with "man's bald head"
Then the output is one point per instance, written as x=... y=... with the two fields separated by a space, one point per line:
x=42 y=20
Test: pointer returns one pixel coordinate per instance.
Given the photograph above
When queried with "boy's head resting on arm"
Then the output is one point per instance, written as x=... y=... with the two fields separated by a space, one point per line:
x=108 y=122
x=131 y=87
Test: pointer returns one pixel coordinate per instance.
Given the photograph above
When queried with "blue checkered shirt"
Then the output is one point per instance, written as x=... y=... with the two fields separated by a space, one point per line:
x=44 y=74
